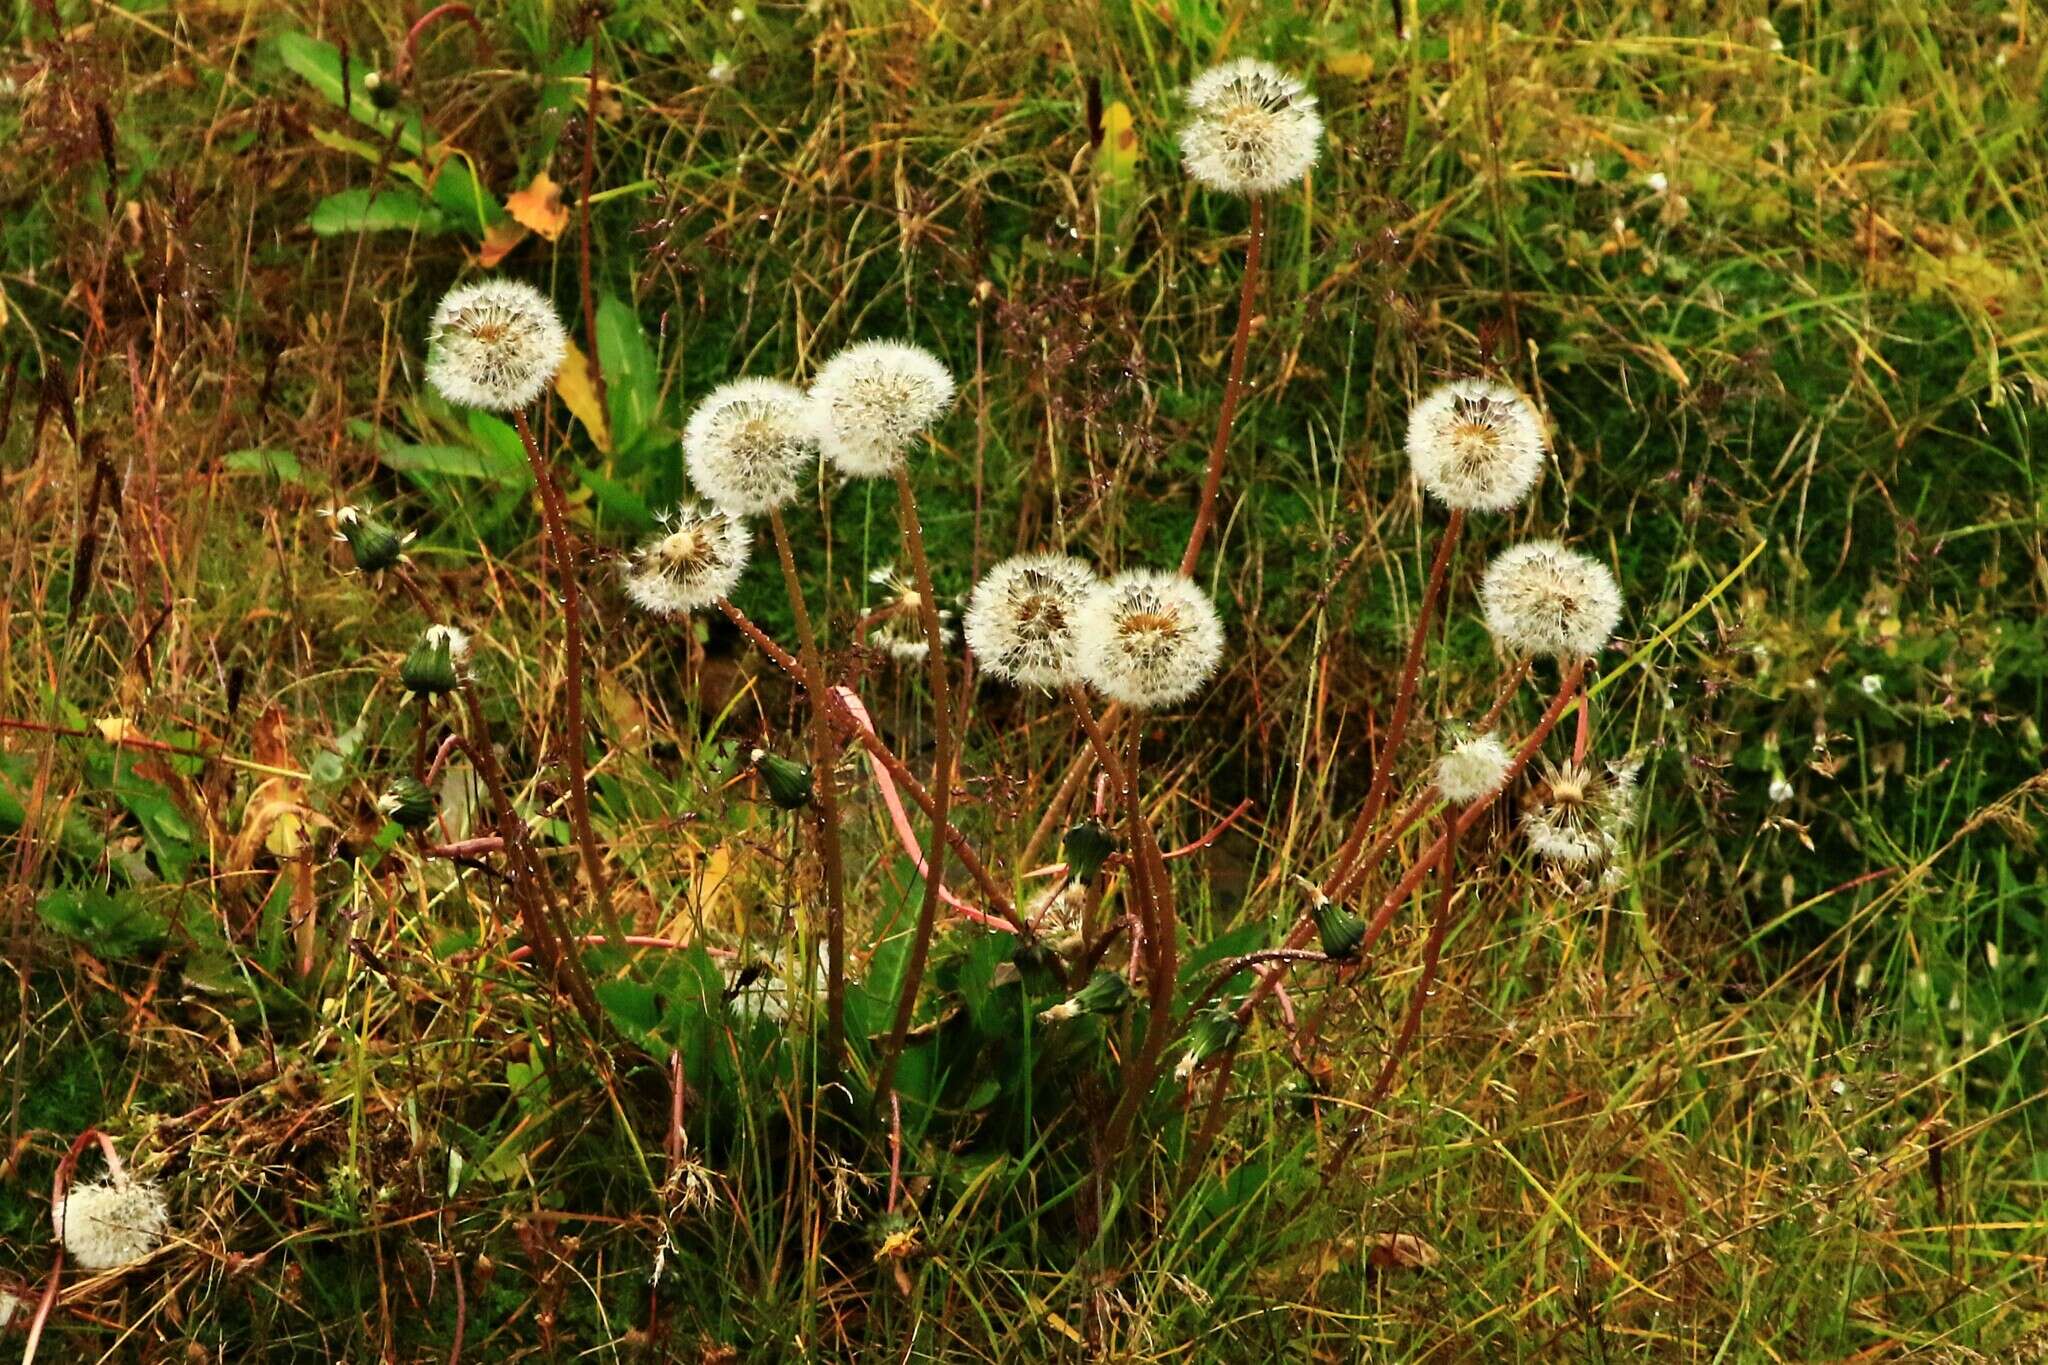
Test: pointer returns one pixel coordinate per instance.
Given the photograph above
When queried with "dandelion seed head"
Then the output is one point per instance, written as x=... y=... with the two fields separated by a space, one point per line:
x=1254 y=128
x=494 y=345
x=1576 y=818
x=455 y=639
x=747 y=444
x=1475 y=444
x=694 y=560
x=112 y=1223
x=1472 y=770
x=870 y=400
x=1540 y=598
x=1022 y=617
x=1148 y=639
x=898 y=623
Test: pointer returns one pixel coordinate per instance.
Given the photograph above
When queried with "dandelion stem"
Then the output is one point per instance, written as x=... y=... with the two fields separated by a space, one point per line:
x=554 y=517
x=822 y=758
x=942 y=784
x=1162 y=959
x=1226 y=415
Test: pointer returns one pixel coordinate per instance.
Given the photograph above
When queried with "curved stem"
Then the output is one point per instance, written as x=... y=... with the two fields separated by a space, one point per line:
x=942 y=785
x=822 y=753
x=1226 y=415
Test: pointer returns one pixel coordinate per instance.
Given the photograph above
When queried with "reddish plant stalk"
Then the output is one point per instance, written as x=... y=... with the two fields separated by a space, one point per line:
x=1233 y=388
x=1162 y=961
x=822 y=758
x=942 y=784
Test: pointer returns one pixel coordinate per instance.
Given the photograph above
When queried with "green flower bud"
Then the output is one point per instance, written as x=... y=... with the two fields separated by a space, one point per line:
x=382 y=89
x=1214 y=1029
x=1105 y=993
x=1339 y=929
x=789 y=782
x=1088 y=845
x=408 y=802
x=375 y=546
x=434 y=665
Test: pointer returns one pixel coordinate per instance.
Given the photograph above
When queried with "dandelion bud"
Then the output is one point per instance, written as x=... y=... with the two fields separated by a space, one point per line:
x=436 y=662
x=1021 y=617
x=114 y=1223
x=1088 y=846
x=1105 y=993
x=1473 y=770
x=1255 y=128
x=1214 y=1029
x=1148 y=639
x=747 y=444
x=695 y=560
x=871 y=399
x=788 y=782
x=1541 y=598
x=382 y=89
x=495 y=345
x=374 y=546
x=1339 y=930
x=1476 y=445
x=408 y=803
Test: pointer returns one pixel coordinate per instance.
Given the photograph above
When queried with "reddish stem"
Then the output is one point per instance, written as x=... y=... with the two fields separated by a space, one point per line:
x=1226 y=416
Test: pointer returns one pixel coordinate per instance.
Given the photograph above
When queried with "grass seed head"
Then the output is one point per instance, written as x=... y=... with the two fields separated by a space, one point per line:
x=1254 y=128
x=1540 y=598
x=1476 y=445
x=748 y=444
x=495 y=345
x=870 y=400
x=1148 y=639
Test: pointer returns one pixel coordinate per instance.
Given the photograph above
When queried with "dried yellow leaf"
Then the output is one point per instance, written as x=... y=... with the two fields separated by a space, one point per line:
x=579 y=392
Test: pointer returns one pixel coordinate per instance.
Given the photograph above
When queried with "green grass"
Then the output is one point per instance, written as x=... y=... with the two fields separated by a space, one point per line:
x=1770 y=1099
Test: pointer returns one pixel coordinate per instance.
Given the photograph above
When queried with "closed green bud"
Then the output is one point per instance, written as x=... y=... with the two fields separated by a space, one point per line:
x=1105 y=993
x=375 y=546
x=382 y=89
x=1088 y=847
x=434 y=664
x=408 y=802
x=1214 y=1029
x=1339 y=929
x=789 y=782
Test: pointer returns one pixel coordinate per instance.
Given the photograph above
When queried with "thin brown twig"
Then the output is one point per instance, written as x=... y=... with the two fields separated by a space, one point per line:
x=1226 y=415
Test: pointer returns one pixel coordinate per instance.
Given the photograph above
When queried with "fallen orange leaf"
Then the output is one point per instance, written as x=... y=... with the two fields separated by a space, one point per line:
x=499 y=239
x=539 y=207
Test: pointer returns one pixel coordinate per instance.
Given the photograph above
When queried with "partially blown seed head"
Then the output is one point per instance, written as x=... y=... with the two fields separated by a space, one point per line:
x=494 y=345
x=747 y=444
x=1476 y=445
x=1472 y=770
x=1576 y=818
x=1149 y=639
x=694 y=560
x=111 y=1224
x=1021 y=619
x=1255 y=128
x=1541 y=598
x=897 y=624
x=871 y=399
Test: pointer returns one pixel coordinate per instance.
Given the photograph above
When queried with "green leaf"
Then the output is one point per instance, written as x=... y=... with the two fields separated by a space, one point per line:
x=456 y=462
x=281 y=465
x=388 y=210
x=111 y=926
x=632 y=378
x=319 y=65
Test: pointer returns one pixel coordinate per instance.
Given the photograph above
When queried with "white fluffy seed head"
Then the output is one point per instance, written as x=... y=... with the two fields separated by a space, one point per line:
x=1540 y=598
x=1022 y=617
x=1476 y=445
x=871 y=399
x=748 y=443
x=1148 y=639
x=1254 y=128
x=1576 y=818
x=898 y=620
x=694 y=560
x=113 y=1223
x=1472 y=770
x=494 y=345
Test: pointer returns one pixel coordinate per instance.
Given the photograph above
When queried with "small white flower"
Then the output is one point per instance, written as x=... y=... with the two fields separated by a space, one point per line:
x=1658 y=182
x=1473 y=770
x=1255 y=128
x=1021 y=619
x=114 y=1223
x=1781 y=790
x=1872 y=684
x=1148 y=639
x=1475 y=444
x=747 y=444
x=720 y=71
x=871 y=399
x=495 y=345
x=1583 y=170
x=692 y=562
x=1540 y=598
